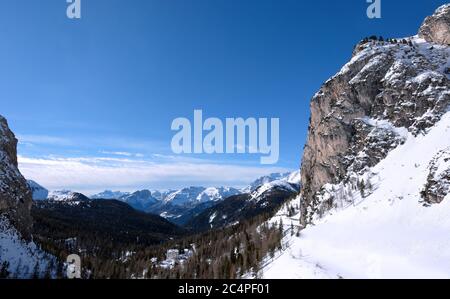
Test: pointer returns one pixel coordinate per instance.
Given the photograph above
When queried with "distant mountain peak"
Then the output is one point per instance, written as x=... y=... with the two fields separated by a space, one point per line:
x=109 y=194
x=290 y=177
x=66 y=196
x=39 y=192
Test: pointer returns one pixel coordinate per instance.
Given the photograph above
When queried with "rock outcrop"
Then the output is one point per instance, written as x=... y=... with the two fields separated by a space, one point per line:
x=438 y=182
x=436 y=28
x=15 y=195
x=389 y=89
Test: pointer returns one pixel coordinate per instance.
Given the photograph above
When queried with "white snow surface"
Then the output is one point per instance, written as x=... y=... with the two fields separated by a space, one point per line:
x=21 y=256
x=388 y=234
x=288 y=181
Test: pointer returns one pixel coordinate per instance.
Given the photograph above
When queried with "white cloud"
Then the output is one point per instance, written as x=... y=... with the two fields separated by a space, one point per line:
x=126 y=145
x=43 y=139
x=125 y=154
x=94 y=174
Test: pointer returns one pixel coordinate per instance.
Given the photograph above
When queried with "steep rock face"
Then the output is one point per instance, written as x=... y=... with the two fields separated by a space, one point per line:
x=438 y=181
x=436 y=28
x=357 y=116
x=15 y=196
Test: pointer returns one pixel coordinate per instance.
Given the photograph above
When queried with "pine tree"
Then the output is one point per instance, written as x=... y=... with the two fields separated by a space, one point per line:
x=362 y=187
x=36 y=274
x=281 y=228
x=4 y=270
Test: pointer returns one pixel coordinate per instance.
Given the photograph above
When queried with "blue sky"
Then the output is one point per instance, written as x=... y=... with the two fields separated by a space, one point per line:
x=92 y=100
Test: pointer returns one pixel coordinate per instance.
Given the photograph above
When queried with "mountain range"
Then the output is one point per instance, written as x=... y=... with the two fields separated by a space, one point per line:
x=178 y=206
x=371 y=200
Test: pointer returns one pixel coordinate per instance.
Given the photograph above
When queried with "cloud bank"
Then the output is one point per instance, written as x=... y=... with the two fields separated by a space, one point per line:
x=94 y=174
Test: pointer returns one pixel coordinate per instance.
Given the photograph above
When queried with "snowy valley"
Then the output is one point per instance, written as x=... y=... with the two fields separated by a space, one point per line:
x=371 y=200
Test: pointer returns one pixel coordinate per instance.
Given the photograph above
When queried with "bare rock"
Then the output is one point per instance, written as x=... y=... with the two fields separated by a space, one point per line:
x=15 y=195
x=388 y=87
x=437 y=186
x=436 y=28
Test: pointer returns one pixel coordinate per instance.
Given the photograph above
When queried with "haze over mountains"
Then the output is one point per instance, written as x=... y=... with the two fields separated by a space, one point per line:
x=178 y=206
x=372 y=199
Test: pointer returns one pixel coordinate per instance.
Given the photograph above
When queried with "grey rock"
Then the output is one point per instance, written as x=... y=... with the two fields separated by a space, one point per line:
x=403 y=84
x=436 y=28
x=438 y=181
x=15 y=195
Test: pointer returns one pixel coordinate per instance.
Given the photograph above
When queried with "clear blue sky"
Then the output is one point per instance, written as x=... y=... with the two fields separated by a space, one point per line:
x=90 y=99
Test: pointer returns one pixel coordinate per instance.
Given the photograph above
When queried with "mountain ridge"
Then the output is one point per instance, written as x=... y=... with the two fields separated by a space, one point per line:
x=375 y=172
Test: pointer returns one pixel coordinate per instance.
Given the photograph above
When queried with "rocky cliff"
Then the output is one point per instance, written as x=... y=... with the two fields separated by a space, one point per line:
x=436 y=28
x=15 y=196
x=390 y=88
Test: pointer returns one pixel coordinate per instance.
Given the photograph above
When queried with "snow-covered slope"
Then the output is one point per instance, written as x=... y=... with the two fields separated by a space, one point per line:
x=39 y=192
x=258 y=194
x=375 y=174
x=289 y=182
x=184 y=196
x=216 y=194
x=20 y=258
x=388 y=234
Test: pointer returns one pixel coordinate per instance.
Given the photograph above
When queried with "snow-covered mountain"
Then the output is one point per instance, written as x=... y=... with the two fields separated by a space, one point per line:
x=66 y=196
x=283 y=184
x=39 y=192
x=288 y=177
x=197 y=195
x=178 y=206
x=19 y=258
x=140 y=200
x=108 y=194
x=266 y=198
x=231 y=211
x=375 y=176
